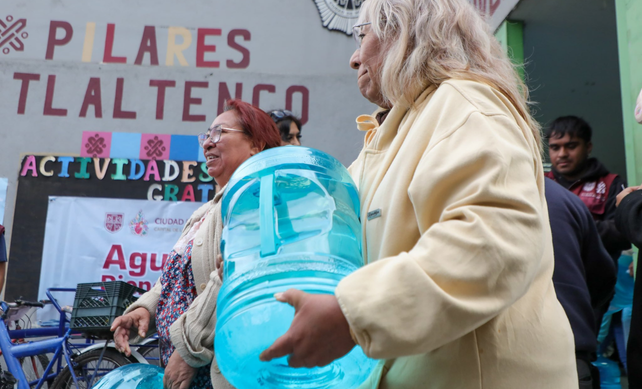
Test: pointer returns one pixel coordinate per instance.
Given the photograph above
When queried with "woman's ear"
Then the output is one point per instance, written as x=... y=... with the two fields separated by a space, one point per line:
x=257 y=148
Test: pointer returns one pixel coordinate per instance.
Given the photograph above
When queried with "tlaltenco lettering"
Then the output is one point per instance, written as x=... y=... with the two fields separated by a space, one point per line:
x=129 y=169
x=179 y=40
x=135 y=267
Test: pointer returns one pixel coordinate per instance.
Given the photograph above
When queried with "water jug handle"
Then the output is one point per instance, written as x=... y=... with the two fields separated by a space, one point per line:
x=266 y=212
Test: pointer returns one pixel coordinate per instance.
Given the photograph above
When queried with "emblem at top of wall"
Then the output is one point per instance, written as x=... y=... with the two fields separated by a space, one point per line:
x=339 y=15
x=12 y=34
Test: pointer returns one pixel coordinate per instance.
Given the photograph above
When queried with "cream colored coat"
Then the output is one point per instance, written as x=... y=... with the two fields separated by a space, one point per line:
x=457 y=292
x=193 y=332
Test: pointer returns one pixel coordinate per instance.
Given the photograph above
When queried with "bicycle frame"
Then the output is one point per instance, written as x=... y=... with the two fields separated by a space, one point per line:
x=58 y=346
x=12 y=352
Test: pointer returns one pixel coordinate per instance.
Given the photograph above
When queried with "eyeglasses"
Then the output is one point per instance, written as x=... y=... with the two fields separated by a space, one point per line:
x=214 y=134
x=356 y=33
x=279 y=114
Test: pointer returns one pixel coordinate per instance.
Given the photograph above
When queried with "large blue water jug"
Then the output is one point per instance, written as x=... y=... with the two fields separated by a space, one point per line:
x=291 y=220
x=134 y=376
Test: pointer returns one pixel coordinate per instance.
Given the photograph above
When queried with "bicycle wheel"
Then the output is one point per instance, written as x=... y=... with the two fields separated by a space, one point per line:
x=151 y=353
x=34 y=367
x=85 y=366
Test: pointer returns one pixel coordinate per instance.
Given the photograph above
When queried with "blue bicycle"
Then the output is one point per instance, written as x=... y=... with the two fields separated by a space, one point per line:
x=32 y=366
x=73 y=364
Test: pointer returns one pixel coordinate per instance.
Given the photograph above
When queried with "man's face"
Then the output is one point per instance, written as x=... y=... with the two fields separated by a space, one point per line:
x=568 y=153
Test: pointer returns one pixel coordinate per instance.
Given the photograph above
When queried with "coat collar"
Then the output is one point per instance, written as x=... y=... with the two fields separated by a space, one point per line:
x=387 y=139
x=388 y=129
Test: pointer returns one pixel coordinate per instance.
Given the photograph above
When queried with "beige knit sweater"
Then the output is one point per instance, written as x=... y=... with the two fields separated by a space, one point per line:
x=193 y=333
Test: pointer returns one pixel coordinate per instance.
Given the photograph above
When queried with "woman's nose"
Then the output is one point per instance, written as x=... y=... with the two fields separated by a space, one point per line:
x=354 y=60
x=208 y=143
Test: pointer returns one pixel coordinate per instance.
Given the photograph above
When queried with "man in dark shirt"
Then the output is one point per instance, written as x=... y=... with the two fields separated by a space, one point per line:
x=569 y=144
x=584 y=275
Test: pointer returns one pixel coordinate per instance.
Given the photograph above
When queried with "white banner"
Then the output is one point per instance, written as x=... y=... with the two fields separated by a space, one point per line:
x=98 y=239
x=3 y=196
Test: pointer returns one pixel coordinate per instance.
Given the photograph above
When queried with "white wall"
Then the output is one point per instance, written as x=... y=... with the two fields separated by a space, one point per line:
x=288 y=47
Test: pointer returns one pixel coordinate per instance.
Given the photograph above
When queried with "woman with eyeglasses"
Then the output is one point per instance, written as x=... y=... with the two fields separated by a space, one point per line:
x=457 y=289
x=289 y=126
x=181 y=307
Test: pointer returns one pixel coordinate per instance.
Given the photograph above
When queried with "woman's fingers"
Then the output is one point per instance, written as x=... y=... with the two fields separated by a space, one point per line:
x=120 y=327
x=219 y=266
x=319 y=333
x=178 y=374
x=121 y=339
x=117 y=323
x=295 y=362
x=138 y=318
x=281 y=347
x=294 y=297
x=285 y=344
x=624 y=193
x=143 y=324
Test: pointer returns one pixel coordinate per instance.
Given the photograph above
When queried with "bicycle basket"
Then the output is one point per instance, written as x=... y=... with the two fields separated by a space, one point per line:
x=97 y=304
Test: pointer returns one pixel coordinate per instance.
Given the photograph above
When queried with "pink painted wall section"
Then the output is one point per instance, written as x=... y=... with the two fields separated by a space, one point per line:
x=95 y=144
x=155 y=146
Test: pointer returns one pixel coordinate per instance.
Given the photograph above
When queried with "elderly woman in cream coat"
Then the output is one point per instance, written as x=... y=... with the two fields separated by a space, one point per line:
x=457 y=290
x=182 y=304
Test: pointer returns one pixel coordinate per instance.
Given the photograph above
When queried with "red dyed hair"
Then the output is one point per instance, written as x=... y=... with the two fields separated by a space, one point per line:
x=256 y=123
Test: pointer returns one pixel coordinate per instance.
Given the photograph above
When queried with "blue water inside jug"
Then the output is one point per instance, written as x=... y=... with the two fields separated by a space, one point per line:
x=291 y=220
x=133 y=376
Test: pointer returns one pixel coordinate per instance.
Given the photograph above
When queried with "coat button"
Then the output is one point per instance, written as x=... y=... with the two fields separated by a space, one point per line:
x=203 y=285
x=199 y=242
